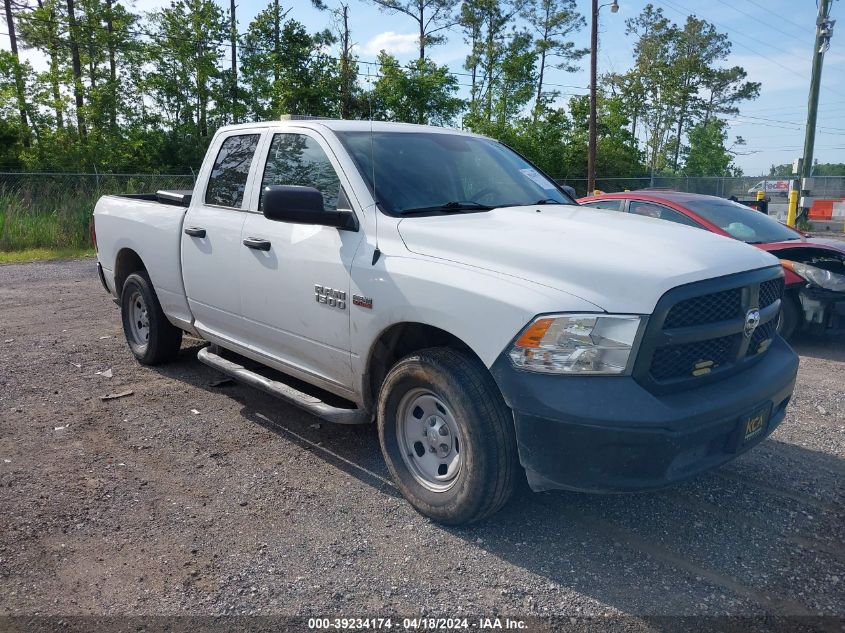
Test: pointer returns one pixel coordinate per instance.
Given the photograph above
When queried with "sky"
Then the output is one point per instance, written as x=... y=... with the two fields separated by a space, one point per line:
x=772 y=40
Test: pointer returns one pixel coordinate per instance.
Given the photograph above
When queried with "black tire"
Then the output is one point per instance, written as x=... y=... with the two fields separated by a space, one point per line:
x=489 y=467
x=790 y=316
x=163 y=338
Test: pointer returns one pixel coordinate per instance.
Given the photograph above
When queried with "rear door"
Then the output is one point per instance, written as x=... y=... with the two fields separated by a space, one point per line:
x=295 y=294
x=211 y=238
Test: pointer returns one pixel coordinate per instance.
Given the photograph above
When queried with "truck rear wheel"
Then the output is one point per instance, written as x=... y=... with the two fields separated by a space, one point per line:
x=151 y=337
x=447 y=436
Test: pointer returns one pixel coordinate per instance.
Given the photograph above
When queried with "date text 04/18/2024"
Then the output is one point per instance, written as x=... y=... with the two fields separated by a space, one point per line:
x=415 y=624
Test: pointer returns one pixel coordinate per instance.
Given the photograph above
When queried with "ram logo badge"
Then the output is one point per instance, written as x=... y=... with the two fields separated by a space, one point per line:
x=752 y=320
x=330 y=296
x=364 y=302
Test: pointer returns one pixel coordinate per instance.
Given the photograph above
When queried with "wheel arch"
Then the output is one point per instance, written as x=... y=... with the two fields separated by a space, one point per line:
x=126 y=263
x=397 y=341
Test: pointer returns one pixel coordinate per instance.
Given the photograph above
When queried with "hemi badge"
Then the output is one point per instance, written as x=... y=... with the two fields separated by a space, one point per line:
x=364 y=302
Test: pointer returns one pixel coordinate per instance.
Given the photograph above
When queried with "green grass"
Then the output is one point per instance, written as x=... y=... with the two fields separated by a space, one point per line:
x=42 y=254
x=48 y=218
x=45 y=216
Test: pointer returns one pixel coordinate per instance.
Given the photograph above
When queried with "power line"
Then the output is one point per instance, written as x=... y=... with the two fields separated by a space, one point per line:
x=798 y=108
x=757 y=18
x=748 y=116
x=683 y=11
x=794 y=148
x=760 y=6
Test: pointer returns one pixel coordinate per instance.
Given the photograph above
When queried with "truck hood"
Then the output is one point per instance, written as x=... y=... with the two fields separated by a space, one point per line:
x=616 y=261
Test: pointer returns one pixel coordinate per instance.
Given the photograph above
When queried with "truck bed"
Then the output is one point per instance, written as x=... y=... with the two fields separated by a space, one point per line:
x=149 y=225
x=173 y=197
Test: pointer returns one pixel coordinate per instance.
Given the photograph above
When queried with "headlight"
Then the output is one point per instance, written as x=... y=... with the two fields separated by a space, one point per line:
x=817 y=276
x=576 y=344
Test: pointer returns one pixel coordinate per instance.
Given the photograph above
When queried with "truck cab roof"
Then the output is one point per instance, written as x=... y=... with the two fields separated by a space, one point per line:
x=347 y=125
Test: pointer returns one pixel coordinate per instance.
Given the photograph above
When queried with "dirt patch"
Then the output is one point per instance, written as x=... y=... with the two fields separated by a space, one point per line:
x=141 y=506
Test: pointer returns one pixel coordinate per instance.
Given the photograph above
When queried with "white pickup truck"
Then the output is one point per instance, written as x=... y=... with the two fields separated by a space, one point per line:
x=437 y=283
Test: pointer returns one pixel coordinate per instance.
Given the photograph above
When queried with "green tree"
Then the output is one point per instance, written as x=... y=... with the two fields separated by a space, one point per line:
x=41 y=30
x=676 y=82
x=707 y=153
x=185 y=79
x=422 y=92
x=501 y=59
x=644 y=87
x=819 y=169
x=17 y=72
x=513 y=86
x=553 y=21
x=286 y=69
x=352 y=103
x=432 y=18
x=557 y=141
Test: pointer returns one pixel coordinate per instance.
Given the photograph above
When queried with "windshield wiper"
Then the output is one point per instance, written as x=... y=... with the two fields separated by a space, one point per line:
x=448 y=207
x=531 y=204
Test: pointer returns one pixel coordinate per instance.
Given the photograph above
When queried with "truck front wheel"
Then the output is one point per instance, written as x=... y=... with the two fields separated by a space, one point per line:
x=448 y=436
x=151 y=337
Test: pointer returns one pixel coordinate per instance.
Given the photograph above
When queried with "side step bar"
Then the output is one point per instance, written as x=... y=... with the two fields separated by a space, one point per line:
x=310 y=403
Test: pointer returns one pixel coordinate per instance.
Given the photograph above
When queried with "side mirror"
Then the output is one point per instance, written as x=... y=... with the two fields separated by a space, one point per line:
x=303 y=205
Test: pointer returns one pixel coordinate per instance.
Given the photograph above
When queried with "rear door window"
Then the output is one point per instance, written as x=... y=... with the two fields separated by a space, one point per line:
x=652 y=210
x=612 y=205
x=230 y=171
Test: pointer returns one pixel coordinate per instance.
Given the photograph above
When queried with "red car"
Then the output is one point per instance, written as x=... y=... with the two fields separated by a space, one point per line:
x=814 y=298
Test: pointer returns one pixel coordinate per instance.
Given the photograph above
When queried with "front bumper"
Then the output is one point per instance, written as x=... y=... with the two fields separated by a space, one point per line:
x=823 y=310
x=609 y=434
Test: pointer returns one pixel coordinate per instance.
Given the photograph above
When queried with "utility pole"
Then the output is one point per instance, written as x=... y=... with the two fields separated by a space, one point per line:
x=347 y=81
x=234 y=35
x=594 y=53
x=824 y=31
x=591 y=147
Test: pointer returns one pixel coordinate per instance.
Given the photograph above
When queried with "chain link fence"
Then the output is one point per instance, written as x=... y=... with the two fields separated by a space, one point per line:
x=53 y=210
x=724 y=187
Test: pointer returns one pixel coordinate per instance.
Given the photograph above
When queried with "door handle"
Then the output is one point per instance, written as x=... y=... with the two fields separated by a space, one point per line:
x=257 y=244
x=195 y=231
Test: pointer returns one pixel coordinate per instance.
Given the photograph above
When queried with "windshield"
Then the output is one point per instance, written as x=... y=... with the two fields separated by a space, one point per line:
x=427 y=172
x=740 y=221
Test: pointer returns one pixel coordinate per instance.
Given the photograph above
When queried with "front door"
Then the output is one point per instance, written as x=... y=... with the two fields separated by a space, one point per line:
x=295 y=293
x=211 y=238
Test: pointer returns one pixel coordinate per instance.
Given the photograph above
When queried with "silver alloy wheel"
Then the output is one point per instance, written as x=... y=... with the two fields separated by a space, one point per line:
x=139 y=319
x=429 y=439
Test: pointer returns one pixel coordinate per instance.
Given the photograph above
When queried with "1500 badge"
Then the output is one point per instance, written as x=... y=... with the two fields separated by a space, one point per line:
x=330 y=296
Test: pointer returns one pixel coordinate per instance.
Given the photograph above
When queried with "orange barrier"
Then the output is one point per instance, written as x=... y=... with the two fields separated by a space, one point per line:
x=823 y=209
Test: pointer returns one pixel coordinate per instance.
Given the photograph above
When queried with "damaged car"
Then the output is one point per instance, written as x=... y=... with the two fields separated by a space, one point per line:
x=814 y=297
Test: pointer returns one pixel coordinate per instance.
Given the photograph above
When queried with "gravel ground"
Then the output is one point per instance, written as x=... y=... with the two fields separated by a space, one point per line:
x=194 y=499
